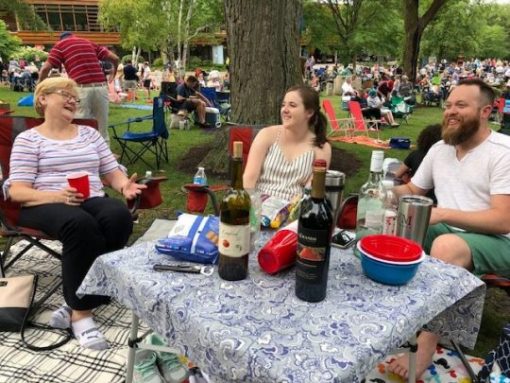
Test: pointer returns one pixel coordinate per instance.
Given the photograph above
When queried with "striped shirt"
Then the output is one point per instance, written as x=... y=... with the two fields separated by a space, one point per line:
x=44 y=163
x=80 y=58
x=283 y=178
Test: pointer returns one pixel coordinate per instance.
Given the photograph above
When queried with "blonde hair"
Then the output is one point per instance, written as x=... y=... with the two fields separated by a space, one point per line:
x=49 y=85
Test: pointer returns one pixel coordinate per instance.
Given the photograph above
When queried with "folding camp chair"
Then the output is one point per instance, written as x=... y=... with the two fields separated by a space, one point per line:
x=338 y=126
x=10 y=127
x=360 y=124
x=224 y=107
x=400 y=109
x=134 y=145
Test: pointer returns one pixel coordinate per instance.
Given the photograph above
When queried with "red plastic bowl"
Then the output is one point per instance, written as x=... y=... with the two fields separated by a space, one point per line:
x=391 y=248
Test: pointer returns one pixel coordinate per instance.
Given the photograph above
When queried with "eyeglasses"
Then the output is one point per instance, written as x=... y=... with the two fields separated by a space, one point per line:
x=67 y=96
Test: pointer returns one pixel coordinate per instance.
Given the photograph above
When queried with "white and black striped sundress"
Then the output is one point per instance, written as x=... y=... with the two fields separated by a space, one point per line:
x=282 y=178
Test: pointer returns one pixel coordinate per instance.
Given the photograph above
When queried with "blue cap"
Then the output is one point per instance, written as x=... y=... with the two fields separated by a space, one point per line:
x=372 y=92
x=65 y=34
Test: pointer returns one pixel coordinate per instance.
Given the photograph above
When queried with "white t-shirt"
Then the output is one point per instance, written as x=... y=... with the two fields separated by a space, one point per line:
x=347 y=89
x=467 y=184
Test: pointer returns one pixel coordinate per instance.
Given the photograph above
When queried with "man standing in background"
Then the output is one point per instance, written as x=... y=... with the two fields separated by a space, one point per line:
x=81 y=59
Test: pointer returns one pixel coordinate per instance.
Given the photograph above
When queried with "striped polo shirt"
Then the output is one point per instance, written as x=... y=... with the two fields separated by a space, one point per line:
x=44 y=163
x=282 y=178
x=80 y=58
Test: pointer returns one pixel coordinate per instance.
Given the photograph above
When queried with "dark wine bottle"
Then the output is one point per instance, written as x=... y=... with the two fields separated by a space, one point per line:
x=234 y=236
x=315 y=227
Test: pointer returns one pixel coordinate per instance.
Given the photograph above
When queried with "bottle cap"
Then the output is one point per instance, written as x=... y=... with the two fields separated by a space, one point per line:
x=319 y=163
x=237 y=149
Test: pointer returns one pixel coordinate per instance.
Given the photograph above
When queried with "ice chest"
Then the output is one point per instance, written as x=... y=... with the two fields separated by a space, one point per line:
x=212 y=117
x=400 y=143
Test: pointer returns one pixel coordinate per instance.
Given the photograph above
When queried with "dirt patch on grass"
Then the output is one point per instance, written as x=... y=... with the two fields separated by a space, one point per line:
x=340 y=160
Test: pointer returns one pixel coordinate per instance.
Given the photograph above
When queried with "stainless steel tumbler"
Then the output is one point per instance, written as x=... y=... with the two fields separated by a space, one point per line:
x=335 y=182
x=413 y=217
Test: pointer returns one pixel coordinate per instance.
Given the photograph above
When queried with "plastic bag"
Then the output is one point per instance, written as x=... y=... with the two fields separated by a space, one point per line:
x=194 y=238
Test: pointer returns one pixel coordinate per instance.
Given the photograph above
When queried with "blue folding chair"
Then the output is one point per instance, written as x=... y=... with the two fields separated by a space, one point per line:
x=134 y=145
x=224 y=107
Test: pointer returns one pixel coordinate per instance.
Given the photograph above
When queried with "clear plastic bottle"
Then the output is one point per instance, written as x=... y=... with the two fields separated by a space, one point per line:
x=369 y=219
x=200 y=177
x=390 y=209
x=148 y=174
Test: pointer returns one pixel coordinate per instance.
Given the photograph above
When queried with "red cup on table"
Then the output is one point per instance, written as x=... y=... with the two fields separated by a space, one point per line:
x=80 y=181
x=280 y=251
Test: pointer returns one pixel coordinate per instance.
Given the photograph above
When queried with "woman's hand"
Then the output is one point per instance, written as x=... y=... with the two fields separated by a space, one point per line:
x=70 y=196
x=131 y=189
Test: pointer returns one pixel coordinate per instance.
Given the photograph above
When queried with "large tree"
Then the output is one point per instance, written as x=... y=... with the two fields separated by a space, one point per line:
x=263 y=45
x=414 y=25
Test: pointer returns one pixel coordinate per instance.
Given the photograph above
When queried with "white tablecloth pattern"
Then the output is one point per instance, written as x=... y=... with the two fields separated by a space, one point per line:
x=256 y=330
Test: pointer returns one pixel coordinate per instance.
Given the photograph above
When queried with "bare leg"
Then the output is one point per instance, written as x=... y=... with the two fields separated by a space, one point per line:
x=80 y=314
x=427 y=343
x=201 y=111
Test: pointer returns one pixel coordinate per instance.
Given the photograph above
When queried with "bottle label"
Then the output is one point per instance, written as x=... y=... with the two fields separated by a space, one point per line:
x=390 y=222
x=199 y=180
x=234 y=240
x=312 y=254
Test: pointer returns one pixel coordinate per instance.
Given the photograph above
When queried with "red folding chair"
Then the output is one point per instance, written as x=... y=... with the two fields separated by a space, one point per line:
x=338 y=126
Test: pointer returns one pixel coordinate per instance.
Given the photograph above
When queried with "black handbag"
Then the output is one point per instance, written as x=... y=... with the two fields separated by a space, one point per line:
x=16 y=301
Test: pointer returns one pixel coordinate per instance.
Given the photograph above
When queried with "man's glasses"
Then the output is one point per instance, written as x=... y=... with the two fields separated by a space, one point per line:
x=67 y=96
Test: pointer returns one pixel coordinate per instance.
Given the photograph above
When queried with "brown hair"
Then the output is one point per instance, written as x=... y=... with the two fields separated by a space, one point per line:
x=486 y=92
x=317 y=121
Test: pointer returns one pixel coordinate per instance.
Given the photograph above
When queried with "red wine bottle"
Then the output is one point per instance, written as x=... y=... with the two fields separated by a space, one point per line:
x=315 y=227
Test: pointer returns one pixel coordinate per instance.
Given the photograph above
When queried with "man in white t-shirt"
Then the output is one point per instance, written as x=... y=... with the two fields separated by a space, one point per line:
x=470 y=173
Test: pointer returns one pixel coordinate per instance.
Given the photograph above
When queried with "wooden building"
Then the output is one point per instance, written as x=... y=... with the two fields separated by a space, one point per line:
x=77 y=16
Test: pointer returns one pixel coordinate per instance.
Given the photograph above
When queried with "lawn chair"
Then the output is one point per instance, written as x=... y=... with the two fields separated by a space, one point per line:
x=199 y=195
x=400 y=109
x=360 y=124
x=134 y=145
x=10 y=127
x=338 y=126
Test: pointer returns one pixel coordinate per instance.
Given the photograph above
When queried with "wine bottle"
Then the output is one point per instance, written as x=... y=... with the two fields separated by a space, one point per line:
x=315 y=226
x=234 y=235
x=369 y=218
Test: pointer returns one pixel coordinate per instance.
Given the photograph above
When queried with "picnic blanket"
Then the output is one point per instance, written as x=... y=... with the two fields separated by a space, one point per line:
x=362 y=140
x=446 y=368
x=69 y=363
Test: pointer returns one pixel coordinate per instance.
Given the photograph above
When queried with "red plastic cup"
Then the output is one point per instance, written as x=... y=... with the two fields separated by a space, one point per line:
x=80 y=181
x=279 y=252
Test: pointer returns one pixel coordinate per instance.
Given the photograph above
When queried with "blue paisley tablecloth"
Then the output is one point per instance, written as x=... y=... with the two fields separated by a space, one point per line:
x=256 y=330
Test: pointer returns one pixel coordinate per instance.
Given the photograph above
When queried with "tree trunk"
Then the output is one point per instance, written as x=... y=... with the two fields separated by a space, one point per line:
x=414 y=25
x=263 y=45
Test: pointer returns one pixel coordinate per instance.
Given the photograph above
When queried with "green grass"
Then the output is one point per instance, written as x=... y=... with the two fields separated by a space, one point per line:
x=497 y=308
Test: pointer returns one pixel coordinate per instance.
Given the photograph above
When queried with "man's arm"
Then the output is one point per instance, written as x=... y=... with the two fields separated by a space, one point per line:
x=114 y=59
x=495 y=220
x=408 y=188
x=45 y=70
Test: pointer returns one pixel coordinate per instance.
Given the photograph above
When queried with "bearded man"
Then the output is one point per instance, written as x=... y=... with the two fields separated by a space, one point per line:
x=470 y=171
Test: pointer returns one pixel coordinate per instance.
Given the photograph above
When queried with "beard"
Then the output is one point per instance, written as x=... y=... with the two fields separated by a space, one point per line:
x=467 y=128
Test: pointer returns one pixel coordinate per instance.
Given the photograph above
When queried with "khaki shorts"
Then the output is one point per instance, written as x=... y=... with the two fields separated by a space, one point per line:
x=491 y=253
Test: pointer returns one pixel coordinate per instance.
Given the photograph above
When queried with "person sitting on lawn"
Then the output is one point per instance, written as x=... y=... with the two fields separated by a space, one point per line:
x=470 y=173
x=41 y=159
x=281 y=156
x=373 y=101
x=191 y=99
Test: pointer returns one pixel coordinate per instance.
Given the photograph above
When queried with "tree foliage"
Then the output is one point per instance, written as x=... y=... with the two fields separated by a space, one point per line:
x=166 y=25
x=30 y=54
x=25 y=13
x=8 y=43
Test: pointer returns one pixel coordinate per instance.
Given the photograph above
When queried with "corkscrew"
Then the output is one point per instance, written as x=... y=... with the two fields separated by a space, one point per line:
x=185 y=268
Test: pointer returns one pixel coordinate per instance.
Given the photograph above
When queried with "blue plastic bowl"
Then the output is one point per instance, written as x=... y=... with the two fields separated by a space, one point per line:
x=387 y=273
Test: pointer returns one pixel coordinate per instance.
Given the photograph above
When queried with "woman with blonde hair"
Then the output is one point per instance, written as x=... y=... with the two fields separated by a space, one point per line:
x=41 y=159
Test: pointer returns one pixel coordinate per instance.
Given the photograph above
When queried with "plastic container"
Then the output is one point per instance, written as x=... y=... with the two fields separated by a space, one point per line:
x=388 y=273
x=391 y=248
x=200 y=177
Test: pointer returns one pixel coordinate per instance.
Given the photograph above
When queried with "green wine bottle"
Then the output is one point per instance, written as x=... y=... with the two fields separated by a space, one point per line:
x=234 y=236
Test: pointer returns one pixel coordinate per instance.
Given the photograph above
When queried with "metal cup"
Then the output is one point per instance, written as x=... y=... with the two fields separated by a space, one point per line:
x=413 y=217
x=335 y=182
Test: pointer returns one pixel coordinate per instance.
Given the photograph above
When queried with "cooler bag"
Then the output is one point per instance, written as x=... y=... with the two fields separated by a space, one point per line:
x=400 y=143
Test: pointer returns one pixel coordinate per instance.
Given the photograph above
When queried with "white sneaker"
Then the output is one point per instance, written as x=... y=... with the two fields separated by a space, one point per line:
x=145 y=368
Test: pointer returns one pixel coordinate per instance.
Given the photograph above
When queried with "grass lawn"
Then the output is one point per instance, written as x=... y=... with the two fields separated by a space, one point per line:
x=497 y=310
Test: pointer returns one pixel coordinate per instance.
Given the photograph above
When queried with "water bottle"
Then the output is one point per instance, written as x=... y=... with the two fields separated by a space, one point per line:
x=200 y=178
x=148 y=174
